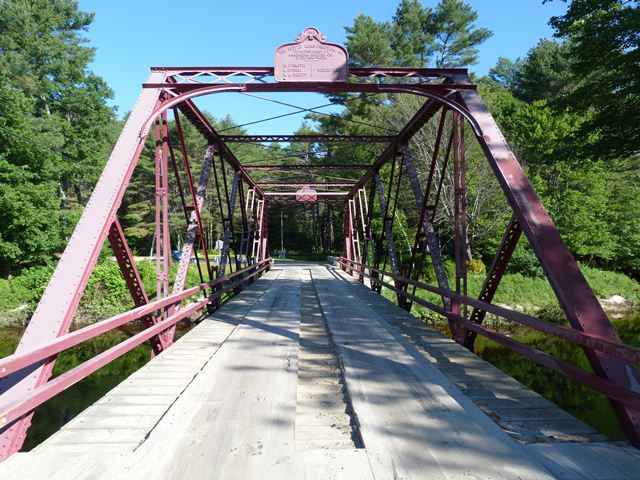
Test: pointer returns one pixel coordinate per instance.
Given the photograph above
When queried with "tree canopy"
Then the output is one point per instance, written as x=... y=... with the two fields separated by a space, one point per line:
x=56 y=126
x=569 y=107
x=603 y=39
x=418 y=36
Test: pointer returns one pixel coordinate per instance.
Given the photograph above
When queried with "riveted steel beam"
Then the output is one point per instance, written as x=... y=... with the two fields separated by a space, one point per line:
x=127 y=265
x=60 y=300
x=305 y=167
x=574 y=294
x=307 y=138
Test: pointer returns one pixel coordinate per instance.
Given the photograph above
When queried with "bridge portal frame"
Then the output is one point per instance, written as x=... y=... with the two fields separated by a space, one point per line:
x=25 y=381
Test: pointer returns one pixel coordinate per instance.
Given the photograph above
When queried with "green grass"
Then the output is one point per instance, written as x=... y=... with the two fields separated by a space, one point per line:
x=105 y=295
x=534 y=294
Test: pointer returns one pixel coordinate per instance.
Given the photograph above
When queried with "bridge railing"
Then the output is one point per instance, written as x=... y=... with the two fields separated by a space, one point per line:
x=576 y=337
x=14 y=410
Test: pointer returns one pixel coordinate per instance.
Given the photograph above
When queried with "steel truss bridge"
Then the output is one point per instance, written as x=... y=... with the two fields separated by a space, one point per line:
x=309 y=373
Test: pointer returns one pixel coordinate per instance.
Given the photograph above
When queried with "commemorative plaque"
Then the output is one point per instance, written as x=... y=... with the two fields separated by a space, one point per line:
x=311 y=59
x=306 y=194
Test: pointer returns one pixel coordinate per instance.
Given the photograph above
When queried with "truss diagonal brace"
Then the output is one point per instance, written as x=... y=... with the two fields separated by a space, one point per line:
x=192 y=233
x=132 y=278
x=427 y=227
x=193 y=227
x=494 y=275
x=386 y=222
x=224 y=253
x=422 y=116
x=198 y=120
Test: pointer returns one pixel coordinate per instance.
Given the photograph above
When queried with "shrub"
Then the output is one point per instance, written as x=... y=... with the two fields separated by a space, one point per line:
x=476 y=266
x=552 y=313
x=524 y=261
x=26 y=288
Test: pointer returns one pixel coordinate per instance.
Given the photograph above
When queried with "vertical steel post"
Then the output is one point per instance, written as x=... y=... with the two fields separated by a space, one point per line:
x=366 y=234
x=350 y=235
x=264 y=249
x=166 y=239
x=158 y=216
x=251 y=221
x=257 y=226
x=372 y=240
x=460 y=223
x=281 y=231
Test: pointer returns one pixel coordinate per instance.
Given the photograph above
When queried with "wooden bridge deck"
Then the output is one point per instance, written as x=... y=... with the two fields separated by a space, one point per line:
x=310 y=375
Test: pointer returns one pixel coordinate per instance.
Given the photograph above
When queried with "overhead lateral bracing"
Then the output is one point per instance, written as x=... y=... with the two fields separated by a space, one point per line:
x=305 y=167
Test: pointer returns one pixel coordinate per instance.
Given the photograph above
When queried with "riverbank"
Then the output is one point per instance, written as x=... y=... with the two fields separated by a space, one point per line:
x=105 y=295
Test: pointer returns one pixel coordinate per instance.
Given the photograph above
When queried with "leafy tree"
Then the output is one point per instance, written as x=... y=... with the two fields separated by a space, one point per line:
x=505 y=72
x=58 y=127
x=410 y=37
x=456 y=37
x=418 y=36
x=585 y=198
x=545 y=74
x=43 y=53
x=368 y=42
x=29 y=203
x=604 y=40
x=624 y=214
x=567 y=114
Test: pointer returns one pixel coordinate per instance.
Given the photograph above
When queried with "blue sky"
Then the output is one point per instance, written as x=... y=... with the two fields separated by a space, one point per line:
x=131 y=36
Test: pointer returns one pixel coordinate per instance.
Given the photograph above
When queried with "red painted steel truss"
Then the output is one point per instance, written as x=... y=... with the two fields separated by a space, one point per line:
x=240 y=203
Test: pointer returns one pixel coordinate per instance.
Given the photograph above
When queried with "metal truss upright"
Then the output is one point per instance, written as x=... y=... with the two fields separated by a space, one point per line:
x=463 y=116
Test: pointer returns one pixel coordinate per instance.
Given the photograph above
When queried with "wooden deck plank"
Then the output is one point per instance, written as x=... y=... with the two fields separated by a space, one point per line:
x=236 y=420
x=414 y=422
x=256 y=401
x=569 y=461
x=146 y=396
x=37 y=466
x=473 y=376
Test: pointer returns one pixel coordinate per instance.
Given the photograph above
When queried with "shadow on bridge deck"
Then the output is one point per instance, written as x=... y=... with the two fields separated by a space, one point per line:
x=310 y=375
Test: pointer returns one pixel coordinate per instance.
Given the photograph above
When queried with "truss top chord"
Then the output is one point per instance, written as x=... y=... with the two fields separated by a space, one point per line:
x=307 y=138
x=306 y=167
